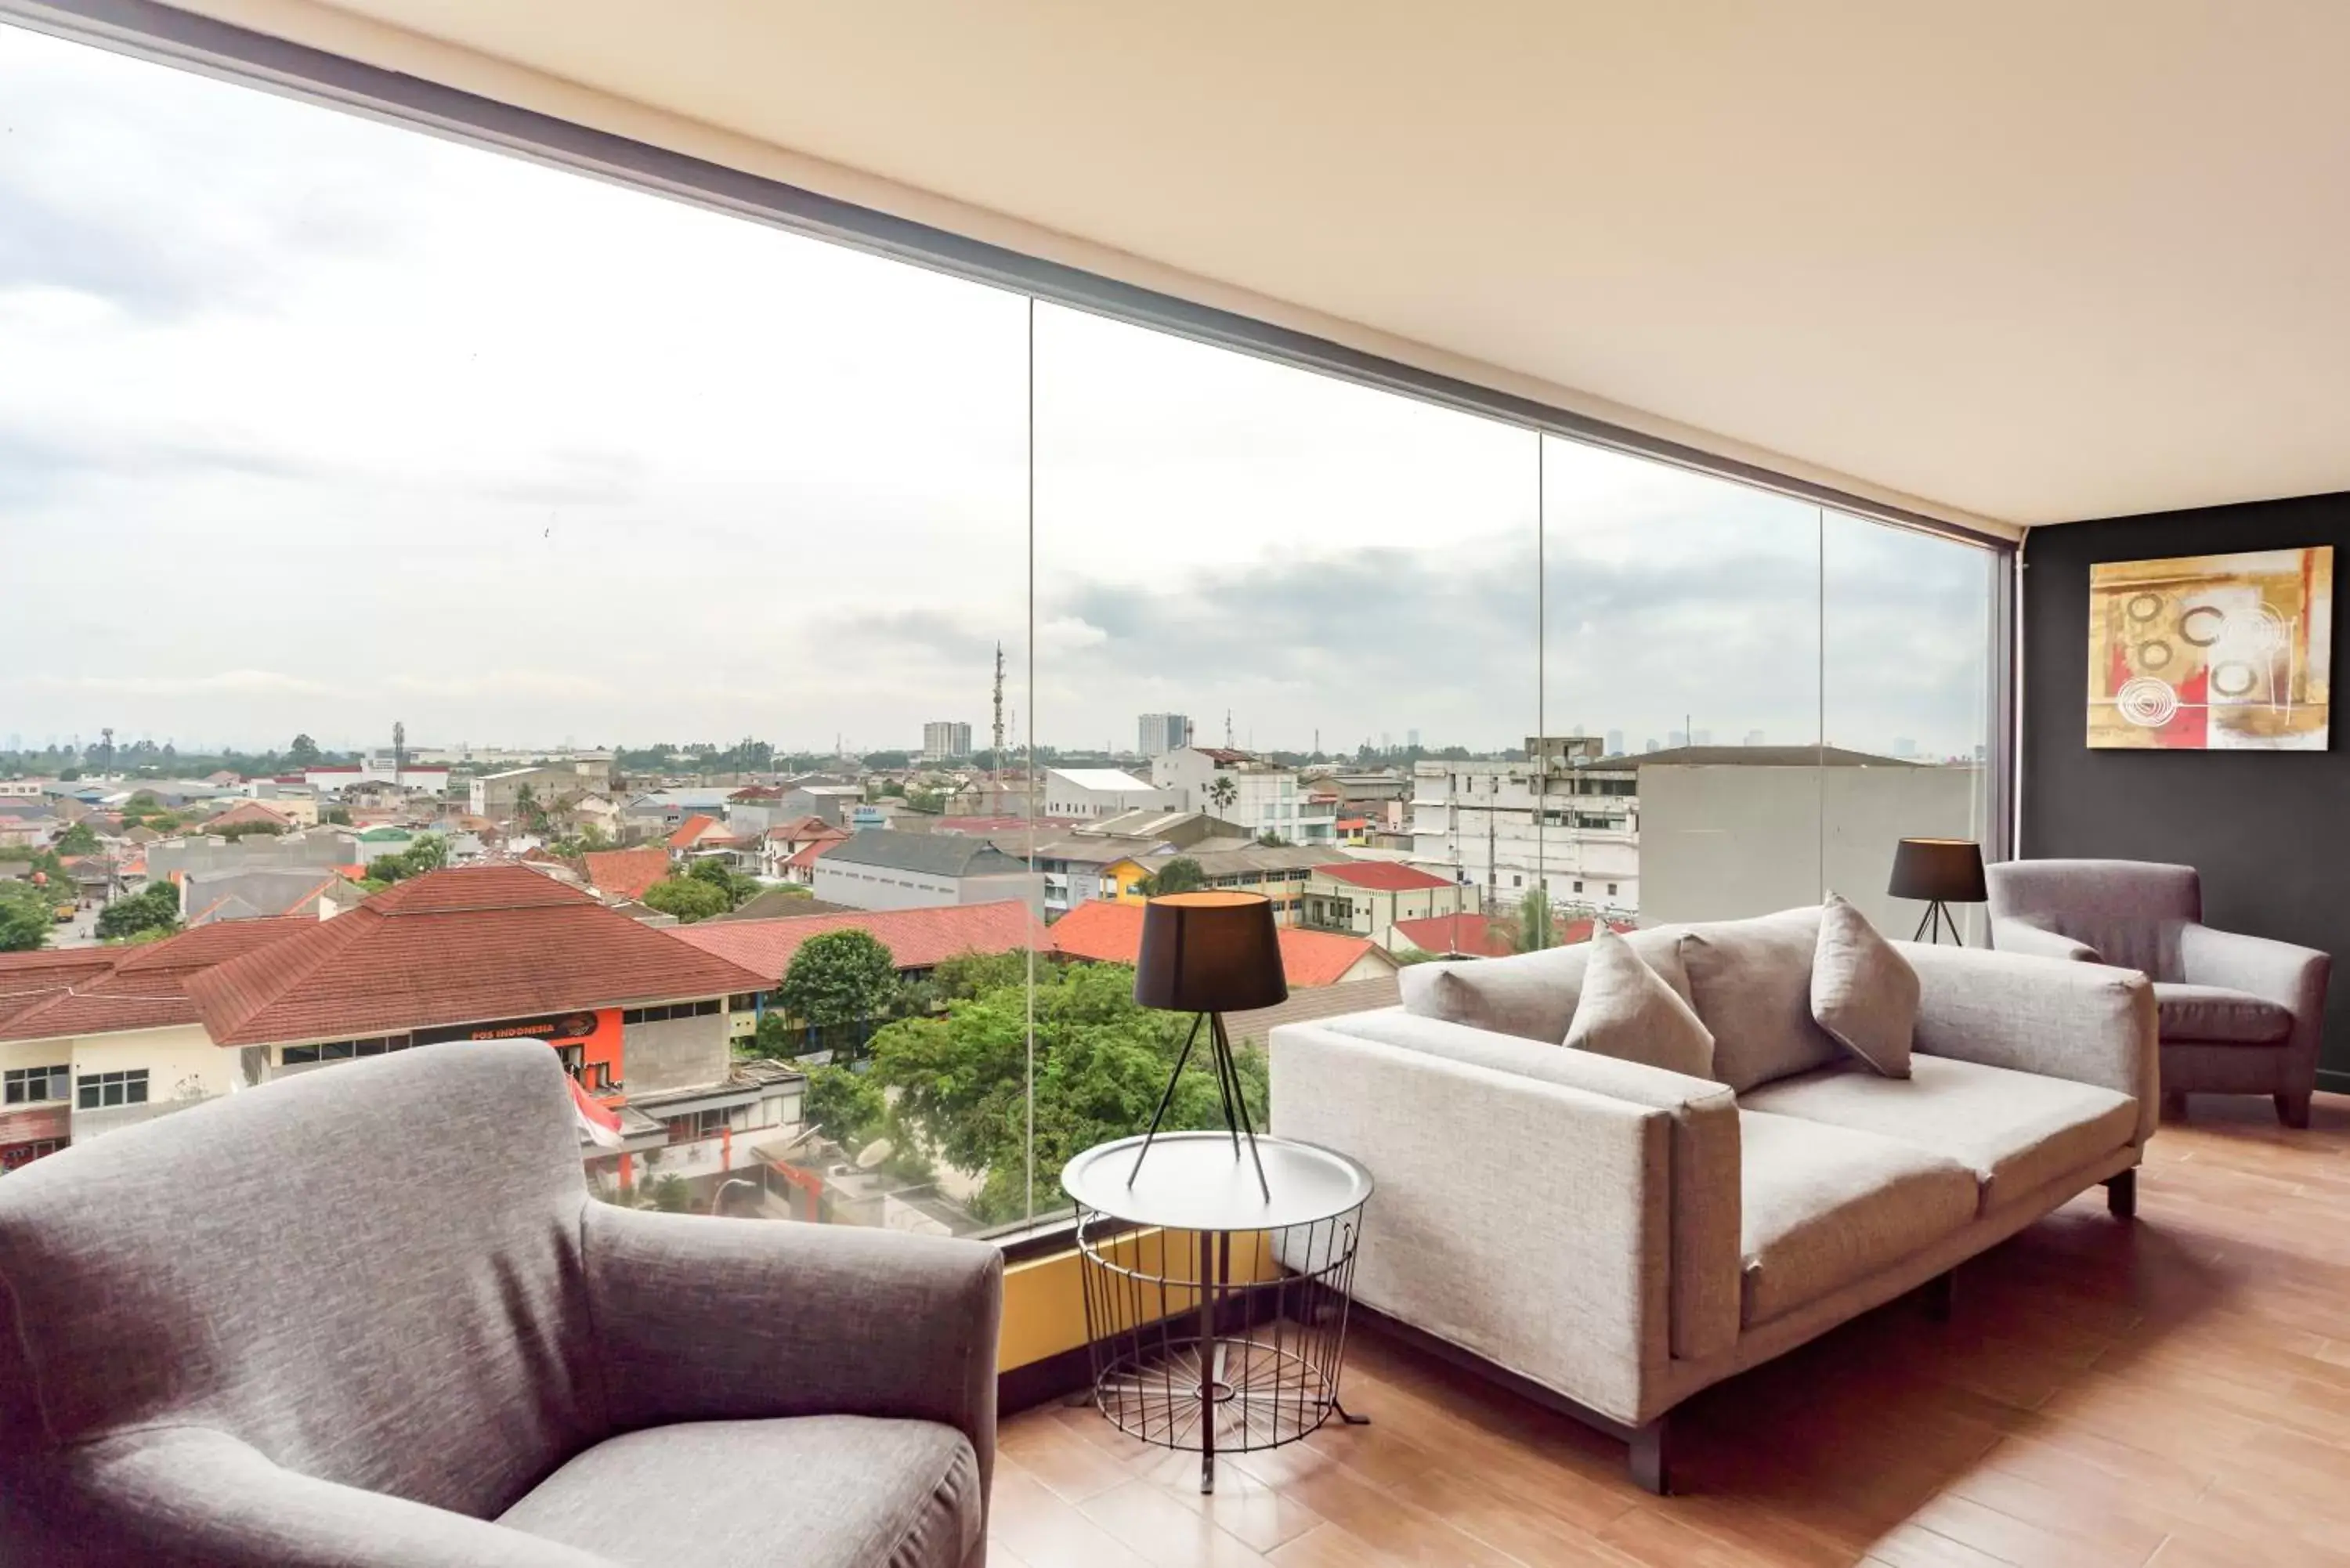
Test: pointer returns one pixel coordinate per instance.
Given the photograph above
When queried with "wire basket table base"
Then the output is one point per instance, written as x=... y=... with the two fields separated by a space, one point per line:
x=1217 y=1341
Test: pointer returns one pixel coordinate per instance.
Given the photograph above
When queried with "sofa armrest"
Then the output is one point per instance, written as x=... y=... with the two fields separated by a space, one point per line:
x=2090 y=1023
x=1523 y=1219
x=705 y=1319
x=175 y=1496
x=2295 y=977
x=2011 y=935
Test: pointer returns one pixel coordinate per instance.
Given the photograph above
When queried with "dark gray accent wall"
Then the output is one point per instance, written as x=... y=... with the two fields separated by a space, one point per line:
x=2270 y=831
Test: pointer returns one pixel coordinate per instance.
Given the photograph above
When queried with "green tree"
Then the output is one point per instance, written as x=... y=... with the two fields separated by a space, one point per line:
x=339 y=815
x=840 y=979
x=689 y=898
x=968 y=974
x=426 y=852
x=1180 y=875
x=738 y=888
x=1530 y=928
x=249 y=830
x=78 y=839
x=848 y=1108
x=528 y=811
x=1272 y=840
x=304 y=753
x=1221 y=792
x=1101 y=1062
x=26 y=913
x=157 y=909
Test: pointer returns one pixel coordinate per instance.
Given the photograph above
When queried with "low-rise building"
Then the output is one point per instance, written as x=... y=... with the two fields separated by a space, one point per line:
x=642 y=1022
x=1370 y=898
x=886 y=870
x=208 y=896
x=1091 y=793
x=494 y=795
x=618 y=875
x=1279 y=872
x=1565 y=820
x=1263 y=797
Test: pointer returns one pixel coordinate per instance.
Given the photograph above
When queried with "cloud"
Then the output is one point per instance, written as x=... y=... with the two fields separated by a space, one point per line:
x=253 y=683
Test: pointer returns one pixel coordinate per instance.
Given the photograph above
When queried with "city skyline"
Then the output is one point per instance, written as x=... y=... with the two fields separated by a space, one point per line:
x=363 y=425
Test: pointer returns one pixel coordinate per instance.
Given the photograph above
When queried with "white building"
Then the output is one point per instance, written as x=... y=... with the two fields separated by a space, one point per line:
x=945 y=738
x=336 y=778
x=1160 y=733
x=1262 y=797
x=1731 y=831
x=1565 y=822
x=1085 y=794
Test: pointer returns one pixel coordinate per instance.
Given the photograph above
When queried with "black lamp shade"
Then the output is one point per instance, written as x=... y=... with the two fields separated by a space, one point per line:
x=1210 y=952
x=1945 y=870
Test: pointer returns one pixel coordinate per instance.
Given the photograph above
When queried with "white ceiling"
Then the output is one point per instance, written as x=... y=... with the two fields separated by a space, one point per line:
x=2022 y=261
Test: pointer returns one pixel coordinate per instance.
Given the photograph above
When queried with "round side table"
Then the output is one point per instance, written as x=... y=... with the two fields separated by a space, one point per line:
x=1216 y=1315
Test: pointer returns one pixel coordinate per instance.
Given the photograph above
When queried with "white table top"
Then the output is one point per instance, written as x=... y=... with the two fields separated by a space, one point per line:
x=1193 y=1181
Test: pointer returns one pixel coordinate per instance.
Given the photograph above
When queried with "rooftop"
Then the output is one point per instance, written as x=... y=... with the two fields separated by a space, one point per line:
x=456 y=946
x=930 y=854
x=103 y=990
x=1112 y=779
x=1382 y=876
x=1768 y=757
x=916 y=939
x=625 y=873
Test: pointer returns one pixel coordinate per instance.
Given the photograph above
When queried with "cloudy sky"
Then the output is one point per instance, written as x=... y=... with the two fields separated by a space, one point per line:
x=310 y=423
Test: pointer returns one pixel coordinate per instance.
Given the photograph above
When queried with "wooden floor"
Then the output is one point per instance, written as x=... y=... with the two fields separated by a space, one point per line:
x=2175 y=1391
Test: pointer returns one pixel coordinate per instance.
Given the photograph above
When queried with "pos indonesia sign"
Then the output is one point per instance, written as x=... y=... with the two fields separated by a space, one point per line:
x=589 y=1039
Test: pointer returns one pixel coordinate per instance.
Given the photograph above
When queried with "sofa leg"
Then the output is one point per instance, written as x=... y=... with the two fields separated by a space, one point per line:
x=1939 y=1296
x=1652 y=1459
x=2121 y=1194
x=2293 y=1109
x=2174 y=1105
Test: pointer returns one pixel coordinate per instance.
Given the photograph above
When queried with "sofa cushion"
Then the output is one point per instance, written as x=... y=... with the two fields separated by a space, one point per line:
x=815 y=1491
x=1825 y=1206
x=2016 y=1131
x=1531 y=995
x=2214 y=1014
x=1863 y=993
x=1750 y=982
x=1628 y=1012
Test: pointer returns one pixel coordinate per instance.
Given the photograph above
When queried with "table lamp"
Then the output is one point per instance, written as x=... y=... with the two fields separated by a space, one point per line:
x=1209 y=954
x=1943 y=872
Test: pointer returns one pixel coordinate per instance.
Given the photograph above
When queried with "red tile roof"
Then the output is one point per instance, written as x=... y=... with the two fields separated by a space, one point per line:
x=1382 y=876
x=1484 y=936
x=104 y=991
x=805 y=827
x=625 y=873
x=1111 y=932
x=916 y=939
x=694 y=829
x=460 y=946
x=808 y=854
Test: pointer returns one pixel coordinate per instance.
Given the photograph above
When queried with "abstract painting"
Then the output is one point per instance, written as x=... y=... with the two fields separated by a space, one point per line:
x=2211 y=653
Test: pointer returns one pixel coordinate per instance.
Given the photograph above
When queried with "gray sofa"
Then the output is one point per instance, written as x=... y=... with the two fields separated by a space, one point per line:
x=370 y=1317
x=1619 y=1237
x=2238 y=1014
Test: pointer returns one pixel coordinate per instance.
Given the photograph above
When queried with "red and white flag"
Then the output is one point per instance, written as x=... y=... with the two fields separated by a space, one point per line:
x=600 y=1122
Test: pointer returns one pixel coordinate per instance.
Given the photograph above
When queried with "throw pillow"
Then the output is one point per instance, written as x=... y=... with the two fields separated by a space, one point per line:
x=1627 y=1011
x=1531 y=995
x=1752 y=982
x=1863 y=992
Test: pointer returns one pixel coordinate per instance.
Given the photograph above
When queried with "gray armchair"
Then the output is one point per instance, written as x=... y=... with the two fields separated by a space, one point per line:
x=370 y=1317
x=2238 y=1014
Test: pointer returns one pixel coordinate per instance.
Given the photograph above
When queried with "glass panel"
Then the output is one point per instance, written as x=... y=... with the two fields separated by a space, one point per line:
x=1908 y=644
x=1326 y=590
x=1681 y=652
x=578 y=512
